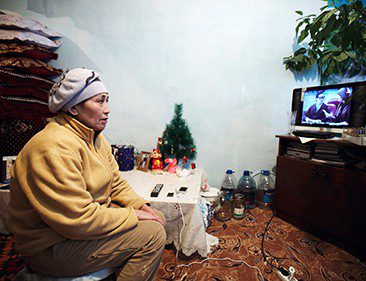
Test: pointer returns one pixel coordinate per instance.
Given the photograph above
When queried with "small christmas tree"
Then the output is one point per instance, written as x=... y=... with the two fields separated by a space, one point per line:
x=177 y=140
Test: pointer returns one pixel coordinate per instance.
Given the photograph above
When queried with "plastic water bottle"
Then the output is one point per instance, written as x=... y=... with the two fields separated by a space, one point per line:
x=266 y=190
x=229 y=184
x=248 y=188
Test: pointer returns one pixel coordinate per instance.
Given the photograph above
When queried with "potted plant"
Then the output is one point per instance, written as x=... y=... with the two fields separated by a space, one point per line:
x=336 y=42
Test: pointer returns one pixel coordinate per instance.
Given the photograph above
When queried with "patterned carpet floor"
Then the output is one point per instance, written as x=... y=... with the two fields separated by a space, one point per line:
x=241 y=241
x=284 y=245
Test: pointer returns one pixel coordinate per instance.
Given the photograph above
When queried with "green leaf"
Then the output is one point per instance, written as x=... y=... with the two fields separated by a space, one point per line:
x=351 y=55
x=326 y=17
x=331 y=23
x=298 y=58
x=345 y=39
x=298 y=26
x=312 y=54
x=352 y=18
x=299 y=12
x=341 y=57
x=335 y=41
x=324 y=59
x=330 y=69
x=324 y=7
x=304 y=33
x=320 y=17
x=300 y=51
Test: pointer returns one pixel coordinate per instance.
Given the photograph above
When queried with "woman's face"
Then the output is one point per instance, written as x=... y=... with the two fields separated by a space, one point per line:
x=93 y=112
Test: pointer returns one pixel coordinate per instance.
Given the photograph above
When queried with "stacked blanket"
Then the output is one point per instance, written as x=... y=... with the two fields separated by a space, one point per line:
x=26 y=47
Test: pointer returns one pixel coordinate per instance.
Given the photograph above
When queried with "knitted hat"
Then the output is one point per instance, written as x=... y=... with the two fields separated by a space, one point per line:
x=73 y=87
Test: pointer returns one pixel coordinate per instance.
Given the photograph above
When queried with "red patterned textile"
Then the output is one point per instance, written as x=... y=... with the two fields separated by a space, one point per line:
x=25 y=92
x=29 y=66
x=26 y=50
x=9 y=78
x=20 y=120
x=17 y=131
x=23 y=107
x=10 y=261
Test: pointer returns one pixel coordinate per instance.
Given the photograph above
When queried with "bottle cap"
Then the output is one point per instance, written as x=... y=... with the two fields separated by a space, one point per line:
x=246 y=173
x=229 y=172
x=265 y=172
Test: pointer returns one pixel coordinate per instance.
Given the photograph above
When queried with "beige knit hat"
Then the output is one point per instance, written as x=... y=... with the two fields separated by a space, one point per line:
x=73 y=87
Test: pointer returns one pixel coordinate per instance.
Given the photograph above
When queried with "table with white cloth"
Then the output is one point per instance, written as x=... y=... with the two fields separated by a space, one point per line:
x=185 y=226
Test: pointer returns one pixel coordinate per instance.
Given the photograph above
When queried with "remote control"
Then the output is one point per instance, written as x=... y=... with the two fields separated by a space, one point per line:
x=155 y=192
x=285 y=275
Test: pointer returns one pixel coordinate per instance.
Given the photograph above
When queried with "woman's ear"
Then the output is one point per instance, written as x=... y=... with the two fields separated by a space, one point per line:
x=73 y=110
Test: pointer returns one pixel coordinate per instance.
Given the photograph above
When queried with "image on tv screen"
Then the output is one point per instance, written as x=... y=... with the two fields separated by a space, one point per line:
x=327 y=107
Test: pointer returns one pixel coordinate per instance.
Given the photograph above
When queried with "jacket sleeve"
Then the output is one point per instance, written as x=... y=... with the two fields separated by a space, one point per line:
x=54 y=186
x=122 y=192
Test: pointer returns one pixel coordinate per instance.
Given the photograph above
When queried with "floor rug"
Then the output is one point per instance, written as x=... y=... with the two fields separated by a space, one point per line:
x=283 y=246
x=240 y=254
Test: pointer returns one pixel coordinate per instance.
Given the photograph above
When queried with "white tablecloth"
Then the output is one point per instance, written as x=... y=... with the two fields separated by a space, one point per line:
x=190 y=236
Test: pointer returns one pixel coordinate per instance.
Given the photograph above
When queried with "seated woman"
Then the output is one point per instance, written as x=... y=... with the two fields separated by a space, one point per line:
x=70 y=211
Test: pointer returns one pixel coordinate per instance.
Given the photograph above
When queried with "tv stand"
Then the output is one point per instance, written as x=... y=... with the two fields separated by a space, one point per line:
x=325 y=200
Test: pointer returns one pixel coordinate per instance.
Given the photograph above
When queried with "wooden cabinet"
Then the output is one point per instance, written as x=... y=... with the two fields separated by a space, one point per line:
x=325 y=200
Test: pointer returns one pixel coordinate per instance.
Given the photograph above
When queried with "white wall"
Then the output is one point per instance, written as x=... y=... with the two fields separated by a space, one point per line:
x=221 y=59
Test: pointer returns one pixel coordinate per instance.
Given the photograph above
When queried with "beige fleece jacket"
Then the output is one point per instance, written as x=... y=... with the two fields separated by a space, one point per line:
x=61 y=188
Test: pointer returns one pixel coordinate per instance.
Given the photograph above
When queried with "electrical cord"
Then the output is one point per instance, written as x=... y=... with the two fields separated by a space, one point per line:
x=262 y=243
x=207 y=259
x=223 y=259
x=264 y=254
x=180 y=233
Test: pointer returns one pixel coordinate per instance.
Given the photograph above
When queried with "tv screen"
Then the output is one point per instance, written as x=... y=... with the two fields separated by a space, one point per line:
x=327 y=107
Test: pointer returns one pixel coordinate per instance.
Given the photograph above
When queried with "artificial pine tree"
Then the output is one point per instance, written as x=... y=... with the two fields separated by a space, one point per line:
x=177 y=140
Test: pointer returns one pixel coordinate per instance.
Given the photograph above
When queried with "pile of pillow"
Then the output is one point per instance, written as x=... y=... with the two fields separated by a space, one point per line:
x=26 y=47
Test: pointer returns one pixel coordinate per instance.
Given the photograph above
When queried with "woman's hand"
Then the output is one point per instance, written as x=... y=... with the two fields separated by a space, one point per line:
x=146 y=213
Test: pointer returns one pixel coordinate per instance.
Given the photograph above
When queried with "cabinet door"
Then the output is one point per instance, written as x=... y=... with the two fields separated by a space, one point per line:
x=354 y=224
x=296 y=189
x=322 y=198
x=332 y=186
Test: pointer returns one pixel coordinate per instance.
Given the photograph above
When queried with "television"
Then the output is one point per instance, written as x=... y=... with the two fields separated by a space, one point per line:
x=329 y=108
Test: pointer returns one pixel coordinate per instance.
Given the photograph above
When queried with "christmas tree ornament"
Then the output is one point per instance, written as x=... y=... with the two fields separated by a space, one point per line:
x=172 y=165
x=157 y=166
x=184 y=163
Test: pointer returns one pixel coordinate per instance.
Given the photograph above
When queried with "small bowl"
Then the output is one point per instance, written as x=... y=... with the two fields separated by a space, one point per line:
x=210 y=194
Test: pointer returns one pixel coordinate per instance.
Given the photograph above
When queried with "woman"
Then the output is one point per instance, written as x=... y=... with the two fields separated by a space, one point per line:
x=70 y=211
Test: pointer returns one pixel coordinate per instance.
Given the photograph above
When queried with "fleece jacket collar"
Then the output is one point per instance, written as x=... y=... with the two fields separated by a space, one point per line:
x=76 y=127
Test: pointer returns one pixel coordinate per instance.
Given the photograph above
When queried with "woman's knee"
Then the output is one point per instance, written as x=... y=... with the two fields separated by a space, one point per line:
x=154 y=232
x=160 y=215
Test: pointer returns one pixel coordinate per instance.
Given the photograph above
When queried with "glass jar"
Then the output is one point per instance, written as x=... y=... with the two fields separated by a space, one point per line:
x=223 y=210
x=239 y=206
